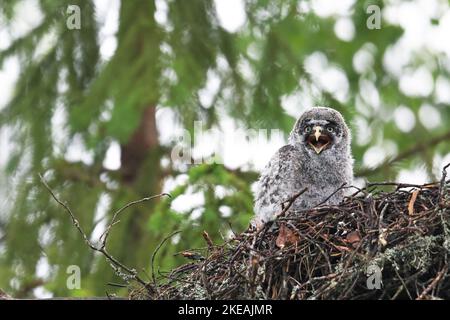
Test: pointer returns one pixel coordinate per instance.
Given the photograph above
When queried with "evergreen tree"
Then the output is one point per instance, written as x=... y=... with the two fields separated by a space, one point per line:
x=164 y=66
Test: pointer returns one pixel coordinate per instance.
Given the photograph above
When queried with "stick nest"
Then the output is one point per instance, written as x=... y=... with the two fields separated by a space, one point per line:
x=330 y=252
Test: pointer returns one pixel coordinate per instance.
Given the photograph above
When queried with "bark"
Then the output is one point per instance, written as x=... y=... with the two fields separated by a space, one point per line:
x=142 y=142
x=141 y=172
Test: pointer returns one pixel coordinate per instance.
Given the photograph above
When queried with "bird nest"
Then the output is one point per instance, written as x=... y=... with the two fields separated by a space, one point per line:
x=377 y=244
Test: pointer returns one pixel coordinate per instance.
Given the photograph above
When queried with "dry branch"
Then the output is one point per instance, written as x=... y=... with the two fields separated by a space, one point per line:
x=117 y=265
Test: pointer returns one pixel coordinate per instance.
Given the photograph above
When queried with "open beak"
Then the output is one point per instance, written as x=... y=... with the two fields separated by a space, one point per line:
x=318 y=140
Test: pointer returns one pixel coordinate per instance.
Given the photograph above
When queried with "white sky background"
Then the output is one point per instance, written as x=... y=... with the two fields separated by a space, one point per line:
x=420 y=35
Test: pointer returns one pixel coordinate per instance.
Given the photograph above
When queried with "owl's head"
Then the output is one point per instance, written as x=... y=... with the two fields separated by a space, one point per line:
x=320 y=130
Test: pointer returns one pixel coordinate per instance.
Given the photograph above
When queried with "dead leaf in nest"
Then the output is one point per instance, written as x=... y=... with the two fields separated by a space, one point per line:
x=412 y=201
x=255 y=260
x=286 y=237
x=353 y=238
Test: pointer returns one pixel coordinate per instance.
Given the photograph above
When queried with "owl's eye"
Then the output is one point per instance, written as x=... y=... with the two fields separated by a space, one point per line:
x=307 y=129
x=330 y=129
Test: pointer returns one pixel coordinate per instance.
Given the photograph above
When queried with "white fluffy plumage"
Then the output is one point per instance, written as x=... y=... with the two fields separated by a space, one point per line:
x=317 y=157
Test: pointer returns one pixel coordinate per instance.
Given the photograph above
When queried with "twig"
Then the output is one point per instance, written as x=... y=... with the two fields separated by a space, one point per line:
x=104 y=237
x=433 y=283
x=332 y=194
x=207 y=239
x=442 y=182
x=112 y=284
x=156 y=251
x=395 y=184
x=72 y=216
x=102 y=249
x=290 y=201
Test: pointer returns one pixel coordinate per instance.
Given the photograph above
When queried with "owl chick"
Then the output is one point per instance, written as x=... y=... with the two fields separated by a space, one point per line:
x=318 y=157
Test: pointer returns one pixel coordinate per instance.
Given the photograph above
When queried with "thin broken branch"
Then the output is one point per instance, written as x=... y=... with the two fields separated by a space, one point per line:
x=103 y=238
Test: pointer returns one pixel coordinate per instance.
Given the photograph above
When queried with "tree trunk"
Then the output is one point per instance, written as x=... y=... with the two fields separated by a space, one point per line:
x=141 y=154
x=142 y=142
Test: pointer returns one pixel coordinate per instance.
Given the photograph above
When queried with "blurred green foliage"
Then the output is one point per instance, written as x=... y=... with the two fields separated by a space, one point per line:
x=33 y=228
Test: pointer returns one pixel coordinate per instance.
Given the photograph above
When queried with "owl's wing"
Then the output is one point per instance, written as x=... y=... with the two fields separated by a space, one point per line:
x=278 y=182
